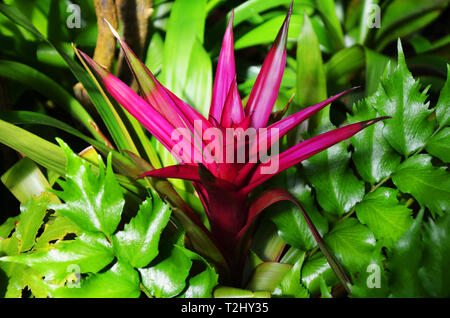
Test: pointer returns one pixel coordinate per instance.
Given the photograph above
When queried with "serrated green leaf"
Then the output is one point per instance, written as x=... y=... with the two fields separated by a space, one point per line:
x=429 y=185
x=337 y=188
x=55 y=229
x=352 y=243
x=7 y=227
x=384 y=215
x=166 y=275
x=404 y=261
x=32 y=214
x=400 y=97
x=373 y=156
x=291 y=224
x=90 y=253
x=313 y=269
x=442 y=107
x=439 y=145
x=138 y=242
x=290 y=286
x=201 y=285
x=434 y=273
x=93 y=202
x=121 y=281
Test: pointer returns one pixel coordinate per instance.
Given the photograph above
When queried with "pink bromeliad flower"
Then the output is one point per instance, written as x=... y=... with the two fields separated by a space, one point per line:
x=223 y=182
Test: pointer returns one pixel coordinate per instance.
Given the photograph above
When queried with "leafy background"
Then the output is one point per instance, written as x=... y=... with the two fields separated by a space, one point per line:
x=382 y=198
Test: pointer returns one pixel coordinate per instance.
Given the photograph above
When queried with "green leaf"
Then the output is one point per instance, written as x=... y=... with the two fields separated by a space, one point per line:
x=429 y=185
x=37 y=149
x=231 y=292
x=342 y=66
x=166 y=275
x=90 y=253
x=439 y=145
x=198 y=88
x=55 y=229
x=186 y=25
x=121 y=281
x=138 y=242
x=311 y=79
x=404 y=261
x=25 y=180
x=315 y=268
x=32 y=214
x=201 y=285
x=399 y=96
x=267 y=276
x=384 y=215
x=352 y=243
x=7 y=227
x=434 y=273
x=337 y=188
x=93 y=202
x=42 y=84
x=375 y=65
x=442 y=107
x=290 y=285
x=328 y=12
x=291 y=224
x=266 y=32
x=374 y=158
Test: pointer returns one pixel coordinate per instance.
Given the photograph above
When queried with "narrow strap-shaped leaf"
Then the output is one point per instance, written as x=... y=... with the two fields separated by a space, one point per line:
x=233 y=112
x=265 y=91
x=185 y=172
x=226 y=72
x=273 y=196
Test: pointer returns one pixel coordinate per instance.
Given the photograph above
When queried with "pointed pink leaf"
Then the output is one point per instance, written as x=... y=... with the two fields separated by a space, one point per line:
x=225 y=73
x=306 y=149
x=265 y=91
x=233 y=112
x=185 y=172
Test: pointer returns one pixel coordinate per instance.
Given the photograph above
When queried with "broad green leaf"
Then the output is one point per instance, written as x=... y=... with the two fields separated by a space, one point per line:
x=429 y=185
x=399 y=96
x=384 y=215
x=32 y=215
x=311 y=79
x=138 y=242
x=201 y=285
x=267 y=276
x=375 y=65
x=25 y=180
x=352 y=243
x=267 y=243
x=266 y=32
x=337 y=188
x=290 y=285
x=90 y=253
x=166 y=275
x=93 y=202
x=443 y=105
x=55 y=229
x=344 y=64
x=439 y=145
x=198 y=88
x=328 y=13
x=434 y=273
x=292 y=226
x=121 y=281
x=7 y=227
x=186 y=24
x=154 y=58
x=373 y=156
x=404 y=261
x=403 y=17
x=315 y=268
x=372 y=281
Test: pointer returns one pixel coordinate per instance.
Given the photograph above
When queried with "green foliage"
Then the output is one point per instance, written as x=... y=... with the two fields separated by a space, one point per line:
x=109 y=259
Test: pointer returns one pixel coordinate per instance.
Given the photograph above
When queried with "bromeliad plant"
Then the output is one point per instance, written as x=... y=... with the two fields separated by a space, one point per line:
x=203 y=146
